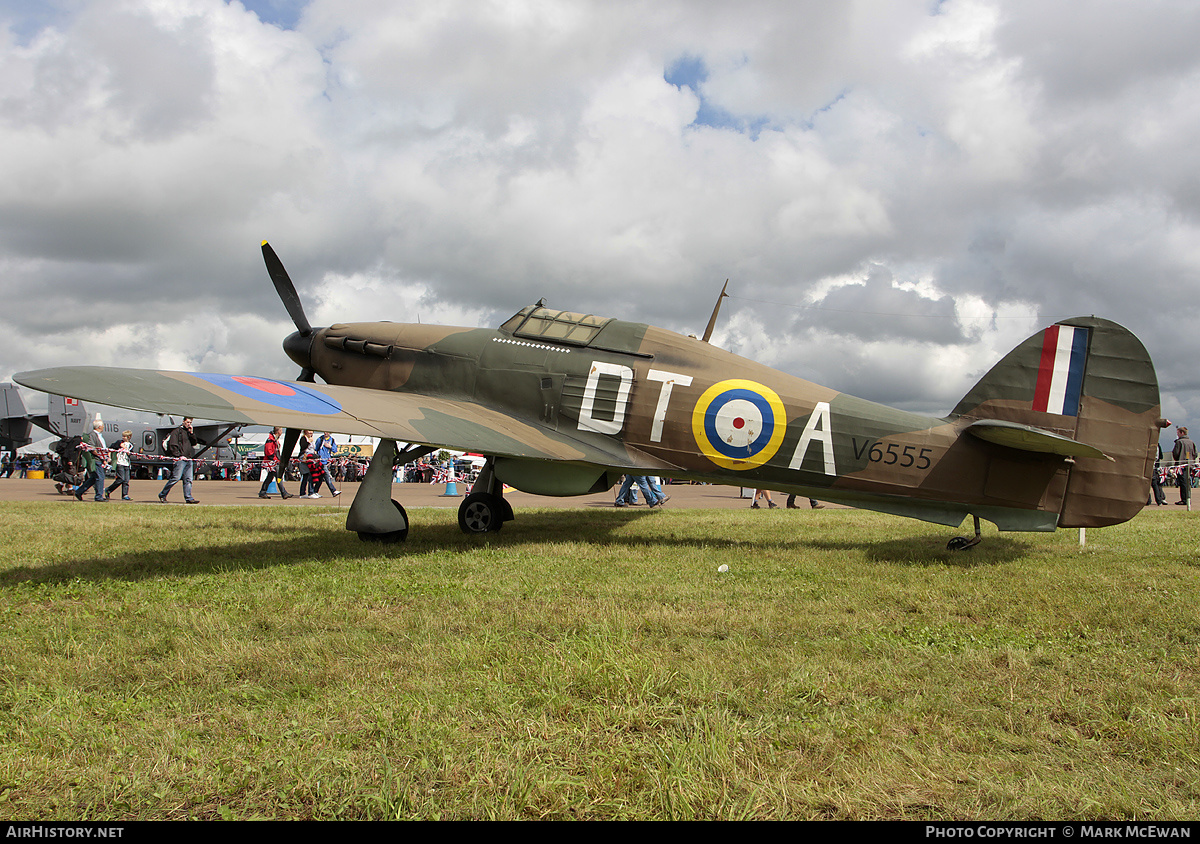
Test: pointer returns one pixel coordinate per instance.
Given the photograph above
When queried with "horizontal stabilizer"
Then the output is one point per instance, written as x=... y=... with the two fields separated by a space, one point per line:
x=1029 y=438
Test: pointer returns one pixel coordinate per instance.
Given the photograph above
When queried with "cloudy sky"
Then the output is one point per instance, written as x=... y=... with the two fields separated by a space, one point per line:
x=898 y=190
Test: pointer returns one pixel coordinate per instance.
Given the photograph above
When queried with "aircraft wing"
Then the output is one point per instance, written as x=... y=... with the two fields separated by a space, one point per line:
x=457 y=423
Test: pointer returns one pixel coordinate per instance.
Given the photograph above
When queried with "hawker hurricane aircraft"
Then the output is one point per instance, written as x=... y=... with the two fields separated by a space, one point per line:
x=1060 y=433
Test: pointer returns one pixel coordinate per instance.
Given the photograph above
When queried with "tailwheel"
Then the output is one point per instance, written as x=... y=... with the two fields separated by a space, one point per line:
x=391 y=536
x=962 y=543
x=482 y=512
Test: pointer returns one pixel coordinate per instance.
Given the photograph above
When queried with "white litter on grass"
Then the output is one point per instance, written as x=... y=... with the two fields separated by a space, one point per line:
x=722 y=568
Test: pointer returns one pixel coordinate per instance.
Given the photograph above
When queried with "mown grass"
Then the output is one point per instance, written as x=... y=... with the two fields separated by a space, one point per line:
x=263 y=663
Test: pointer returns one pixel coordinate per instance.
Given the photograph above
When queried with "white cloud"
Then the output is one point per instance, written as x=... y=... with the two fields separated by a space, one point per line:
x=922 y=164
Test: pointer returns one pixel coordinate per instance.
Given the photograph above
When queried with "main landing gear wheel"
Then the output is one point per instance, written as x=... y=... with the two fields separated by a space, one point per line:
x=392 y=536
x=481 y=512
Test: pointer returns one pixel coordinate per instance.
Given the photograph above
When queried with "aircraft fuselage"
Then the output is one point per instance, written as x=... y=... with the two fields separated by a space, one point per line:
x=701 y=413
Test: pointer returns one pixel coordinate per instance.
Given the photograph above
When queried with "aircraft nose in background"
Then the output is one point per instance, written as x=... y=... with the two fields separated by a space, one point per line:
x=298 y=347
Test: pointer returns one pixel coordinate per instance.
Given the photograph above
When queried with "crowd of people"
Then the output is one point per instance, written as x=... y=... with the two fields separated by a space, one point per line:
x=317 y=463
x=651 y=487
x=23 y=464
x=84 y=464
x=765 y=495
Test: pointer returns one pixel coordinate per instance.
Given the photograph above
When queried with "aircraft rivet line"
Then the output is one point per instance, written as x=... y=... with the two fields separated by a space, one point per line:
x=532 y=345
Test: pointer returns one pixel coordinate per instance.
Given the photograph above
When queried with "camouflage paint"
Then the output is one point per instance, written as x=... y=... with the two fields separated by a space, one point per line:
x=568 y=413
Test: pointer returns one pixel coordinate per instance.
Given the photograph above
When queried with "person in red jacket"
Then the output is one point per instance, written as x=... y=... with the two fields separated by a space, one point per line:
x=271 y=465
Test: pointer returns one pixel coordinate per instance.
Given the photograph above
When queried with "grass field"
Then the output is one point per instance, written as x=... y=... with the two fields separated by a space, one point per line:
x=162 y=663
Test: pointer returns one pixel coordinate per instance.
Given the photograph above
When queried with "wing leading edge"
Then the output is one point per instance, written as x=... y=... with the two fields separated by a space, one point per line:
x=437 y=421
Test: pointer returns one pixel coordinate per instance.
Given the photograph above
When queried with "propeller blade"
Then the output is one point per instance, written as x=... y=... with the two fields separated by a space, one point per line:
x=286 y=290
x=289 y=443
x=285 y=457
x=292 y=434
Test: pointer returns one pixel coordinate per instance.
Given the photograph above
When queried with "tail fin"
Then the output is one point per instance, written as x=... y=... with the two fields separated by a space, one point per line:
x=15 y=426
x=67 y=417
x=1084 y=380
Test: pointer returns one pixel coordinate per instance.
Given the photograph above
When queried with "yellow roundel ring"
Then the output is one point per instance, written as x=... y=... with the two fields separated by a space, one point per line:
x=739 y=424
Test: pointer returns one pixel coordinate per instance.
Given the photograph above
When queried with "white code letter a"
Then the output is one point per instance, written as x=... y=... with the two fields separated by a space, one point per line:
x=811 y=434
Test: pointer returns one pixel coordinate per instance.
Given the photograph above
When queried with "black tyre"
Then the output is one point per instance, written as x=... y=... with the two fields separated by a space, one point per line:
x=393 y=536
x=481 y=512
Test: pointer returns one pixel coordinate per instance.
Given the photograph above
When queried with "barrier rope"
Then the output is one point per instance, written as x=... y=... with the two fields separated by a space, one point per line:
x=261 y=462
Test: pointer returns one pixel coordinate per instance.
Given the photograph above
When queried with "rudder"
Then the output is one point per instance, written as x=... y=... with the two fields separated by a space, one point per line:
x=67 y=417
x=1091 y=380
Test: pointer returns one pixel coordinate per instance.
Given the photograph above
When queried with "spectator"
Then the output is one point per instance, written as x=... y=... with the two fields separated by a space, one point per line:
x=1185 y=459
x=306 y=479
x=271 y=466
x=121 y=466
x=181 y=446
x=95 y=459
x=326 y=448
x=625 y=495
x=762 y=494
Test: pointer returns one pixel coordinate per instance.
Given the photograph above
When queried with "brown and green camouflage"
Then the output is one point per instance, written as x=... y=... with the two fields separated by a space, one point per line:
x=566 y=403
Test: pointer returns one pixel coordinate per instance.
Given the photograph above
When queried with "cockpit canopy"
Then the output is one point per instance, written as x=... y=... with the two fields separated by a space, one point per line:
x=538 y=323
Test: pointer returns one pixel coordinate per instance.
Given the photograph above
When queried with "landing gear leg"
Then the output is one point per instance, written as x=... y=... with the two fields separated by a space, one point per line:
x=374 y=515
x=962 y=543
x=484 y=510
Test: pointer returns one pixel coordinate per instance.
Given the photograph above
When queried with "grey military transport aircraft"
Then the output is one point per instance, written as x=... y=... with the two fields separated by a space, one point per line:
x=1060 y=433
x=68 y=417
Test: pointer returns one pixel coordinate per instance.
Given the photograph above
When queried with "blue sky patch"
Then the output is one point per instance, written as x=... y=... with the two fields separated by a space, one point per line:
x=284 y=14
x=27 y=18
x=691 y=72
x=687 y=72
